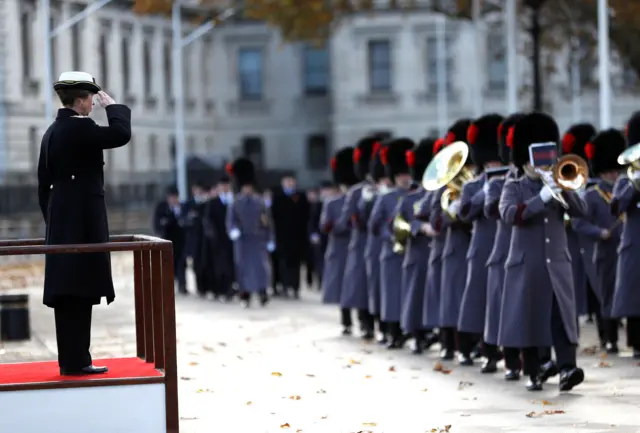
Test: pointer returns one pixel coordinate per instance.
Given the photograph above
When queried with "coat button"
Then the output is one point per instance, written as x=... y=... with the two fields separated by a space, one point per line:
x=546 y=220
x=581 y=250
x=51 y=187
x=548 y=240
x=548 y=260
x=72 y=177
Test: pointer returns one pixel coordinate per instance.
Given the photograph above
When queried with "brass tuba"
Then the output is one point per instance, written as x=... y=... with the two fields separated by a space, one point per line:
x=631 y=157
x=447 y=168
x=570 y=173
x=401 y=234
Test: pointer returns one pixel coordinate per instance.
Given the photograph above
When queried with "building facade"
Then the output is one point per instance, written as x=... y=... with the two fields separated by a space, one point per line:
x=286 y=106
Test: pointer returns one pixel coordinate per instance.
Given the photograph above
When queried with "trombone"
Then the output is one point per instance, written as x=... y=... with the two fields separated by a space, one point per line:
x=570 y=173
x=631 y=157
x=447 y=168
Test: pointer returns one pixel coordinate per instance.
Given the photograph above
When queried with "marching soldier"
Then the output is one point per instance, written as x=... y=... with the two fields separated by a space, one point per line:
x=538 y=308
x=354 y=285
x=167 y=224
x=482 y=138
x=454 y=256
x=626 y=201
x=290 y=210
x=192 y=217
x=498 y=257
x=370 y=194
x=602 y=227
x=318 y=240
x=414 y=266
x=338 y=243
x=71 y=198
x=250 y=228
x=394 y=159
x=574 y=142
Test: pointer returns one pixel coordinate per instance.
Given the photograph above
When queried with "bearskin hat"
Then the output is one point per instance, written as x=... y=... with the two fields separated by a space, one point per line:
x=394 y=156
x=457 y=131
x=603 y=150
x=482 y=138
x=503 y=133
x=342 y=167
x=242 y=171
x=532 y=128
x=632 y=130
x=376 y=167
x=576 y=138
x=362 y=156
x=419 y=157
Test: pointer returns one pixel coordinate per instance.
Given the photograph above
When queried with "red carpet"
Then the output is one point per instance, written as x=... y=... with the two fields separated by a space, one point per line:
x=38 y=372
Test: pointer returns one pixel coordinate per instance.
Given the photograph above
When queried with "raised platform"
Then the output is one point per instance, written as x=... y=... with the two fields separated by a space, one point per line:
x=129 y=398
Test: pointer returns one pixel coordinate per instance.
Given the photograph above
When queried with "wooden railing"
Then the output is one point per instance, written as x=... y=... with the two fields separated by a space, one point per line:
x=155 y=319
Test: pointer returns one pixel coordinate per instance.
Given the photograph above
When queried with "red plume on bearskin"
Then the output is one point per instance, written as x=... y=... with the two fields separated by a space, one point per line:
x=510 y=134
x=472 y=134
x=376 y=148
x=568 y=141
x=590 y=150
x=500 y=127
x=383 y=155
x=229 y=169
x=357 y=154
x=438 y=145
x=411 y=158
x=450 y=138
x=334 y=164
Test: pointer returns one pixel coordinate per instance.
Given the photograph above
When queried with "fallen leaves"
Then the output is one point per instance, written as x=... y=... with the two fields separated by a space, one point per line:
x=354 y=362
x=276 y=374
x=200 y=391
x=445 y=429
x=294 y=397
x=604 y=364
x=369 y=424
x=368 y=376
x=310 y=375
x=321 y=391
x=186 y=378
x=249 y=403
x=193 y=364
x=546 y=412
x=392 y=368
x=462 y=385
x=591 y=350
x=440 y=368
x=208 y=349
x=285 y=425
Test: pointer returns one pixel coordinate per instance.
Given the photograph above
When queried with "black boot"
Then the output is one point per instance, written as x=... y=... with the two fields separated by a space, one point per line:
x=534 y=383
x=419 y=343
x=548 y=370
x=397 y=338
x=264 y=298
x=569 y=379
x=489 y=366
x=512 y=375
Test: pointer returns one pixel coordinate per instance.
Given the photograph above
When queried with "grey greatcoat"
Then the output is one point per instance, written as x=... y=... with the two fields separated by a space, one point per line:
x=474 y=299
x=354 y=284
x=605 y=256
x=390 y=263
x=538 y=267
x=415 y=264
x=249 y=215
x=496 y=260
x=335 y=257
x=71 y=197
x=372 y=256
x=587 y=248
x=578 y=269
x=454 y=269
x=626 y=300
x=430 y=209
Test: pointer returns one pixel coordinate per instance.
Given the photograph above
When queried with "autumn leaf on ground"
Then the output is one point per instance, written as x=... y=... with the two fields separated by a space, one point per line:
x=249 y=403
x=604 y=364
x=200 y=391
x=324 y=417
x=354 y=362
x=369 y=424
x=193 y=364
x=239 y=357
x=604 y=355
x=311 y=375
x=546 y=403
x=321 y=391
x=591 y=350
x=295 y=397
x=533 y=415
x=285 y=425
x=276 y=374
x=441 y=368
x=223 y=344
x=425 y=389
x=208 y=349
x=298 y=430
x=392 y=368
x=186 y=378
x=368 y=376
x=554 y=412
x=463 y=385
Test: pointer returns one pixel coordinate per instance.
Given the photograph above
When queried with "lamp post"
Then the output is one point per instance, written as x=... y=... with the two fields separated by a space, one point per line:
x=535 y=32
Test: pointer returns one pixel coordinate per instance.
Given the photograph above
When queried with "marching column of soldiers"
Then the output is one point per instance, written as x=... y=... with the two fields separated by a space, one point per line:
x=491 y=241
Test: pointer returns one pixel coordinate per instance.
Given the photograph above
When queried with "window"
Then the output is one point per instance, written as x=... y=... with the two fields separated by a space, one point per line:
x=316 y=70
x=317 y=152
x=207 y=55
x=433 y=60
x=585 y=55
x=497 y=61
x=76 y=46
x=172 y=150
x=252 y=149
x=153 y=151
x=250 y=73
x=132 y=154
x=146 y=62
x=168 y=88
x=26 y=41
x=380 y=66
x=33 y=146
x=125 y=58
x=104 y=63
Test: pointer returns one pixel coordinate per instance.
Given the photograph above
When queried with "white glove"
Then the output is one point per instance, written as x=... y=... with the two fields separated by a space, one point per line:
x=454 y=207
x=271 y=247
x=547 y=193
x=367 y=193
x=315 y=238
x=635 y=175
x=105 y=100
x=485 y=187
x=234 y=234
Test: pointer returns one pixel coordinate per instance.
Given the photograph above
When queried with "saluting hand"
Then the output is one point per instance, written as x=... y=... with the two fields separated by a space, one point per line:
x=105 y=100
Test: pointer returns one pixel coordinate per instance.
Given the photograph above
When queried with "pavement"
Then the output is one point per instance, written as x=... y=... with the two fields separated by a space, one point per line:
x=286 y=368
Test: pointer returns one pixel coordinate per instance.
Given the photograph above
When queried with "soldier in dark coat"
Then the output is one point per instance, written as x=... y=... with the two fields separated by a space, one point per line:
x=498 y=256
x=336 y=254
x=167 y=224
x=454 y=255
x=394 y=159
x=482 y=138
x=71 y=198
x=250 y=227
x=218 y=246
x=192 y=211
x=290 y=210
x=416 y=258
x=574 y=142
x=538 y=307
x=602 y=227
x=354 y=285
x=626 y=201
x=317 y=239
x=374 y=243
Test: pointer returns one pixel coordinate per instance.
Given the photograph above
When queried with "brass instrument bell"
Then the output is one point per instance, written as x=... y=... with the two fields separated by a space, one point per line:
x=631 y=157
x=569 y=173
x=401 y=234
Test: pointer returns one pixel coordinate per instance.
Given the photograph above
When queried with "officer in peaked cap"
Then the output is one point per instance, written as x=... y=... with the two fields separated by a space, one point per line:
x=71 y=196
